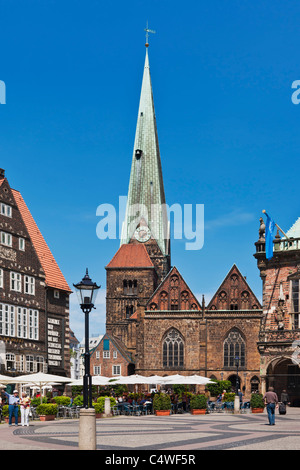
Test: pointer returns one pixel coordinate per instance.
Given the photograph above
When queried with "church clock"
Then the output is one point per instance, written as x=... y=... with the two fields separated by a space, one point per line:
x=142 y=233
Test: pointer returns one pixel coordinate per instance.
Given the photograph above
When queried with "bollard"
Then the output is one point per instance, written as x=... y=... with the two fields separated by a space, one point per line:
x=236 y=404
x=87 y=429
x=107 y=410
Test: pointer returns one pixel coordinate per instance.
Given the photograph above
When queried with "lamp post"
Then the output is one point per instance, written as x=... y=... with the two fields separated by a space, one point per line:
x=237 y=360
x=237 y=398
x=87 y=291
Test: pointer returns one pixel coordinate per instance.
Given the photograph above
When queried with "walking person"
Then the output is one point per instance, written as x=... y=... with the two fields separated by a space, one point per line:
x=25 y=407
x=271 y=400
x=13 y=408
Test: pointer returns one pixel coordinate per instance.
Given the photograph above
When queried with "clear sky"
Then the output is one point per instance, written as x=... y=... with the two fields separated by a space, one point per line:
x=229 y=133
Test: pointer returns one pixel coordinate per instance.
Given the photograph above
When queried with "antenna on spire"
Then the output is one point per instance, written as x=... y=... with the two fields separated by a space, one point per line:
x=147 y=34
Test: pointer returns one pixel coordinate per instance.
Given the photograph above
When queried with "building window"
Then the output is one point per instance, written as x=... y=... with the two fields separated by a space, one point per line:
x=6 y=239
x=19 y=321
x=106 y=354
x=295 y=302
x=29 y=364
x=129 y=287
x=97 y=370
x=97 y=354
x=129 y=311
x=56 y=294
x=115 y=354
x=33 y=324
x=116 y=370
x=22 y=244
x=173 y=349
x=15 y=282
x=40 y=364
x=234 y=346
x=29 y=285
x=1 y=278
x=6 y=210
x=10 y=362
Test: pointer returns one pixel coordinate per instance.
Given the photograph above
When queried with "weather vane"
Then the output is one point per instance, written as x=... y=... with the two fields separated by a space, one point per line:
x=147 y=34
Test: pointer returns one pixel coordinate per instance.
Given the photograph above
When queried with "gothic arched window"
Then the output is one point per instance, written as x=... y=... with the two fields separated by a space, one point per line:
x=234 y=346
x=173 y=349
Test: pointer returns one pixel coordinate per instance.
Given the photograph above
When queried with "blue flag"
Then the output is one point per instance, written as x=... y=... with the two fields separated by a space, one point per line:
x=270 y=233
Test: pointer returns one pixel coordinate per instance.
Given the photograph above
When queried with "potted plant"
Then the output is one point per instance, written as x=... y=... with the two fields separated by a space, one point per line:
x=99 y=405
x=257 y=403
x=162 y=404
x=5 y=414
x=46 y=411
x=198 y=404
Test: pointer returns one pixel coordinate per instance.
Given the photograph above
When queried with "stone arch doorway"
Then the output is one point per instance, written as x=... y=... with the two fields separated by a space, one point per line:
x=283 y=374
x=235 y=381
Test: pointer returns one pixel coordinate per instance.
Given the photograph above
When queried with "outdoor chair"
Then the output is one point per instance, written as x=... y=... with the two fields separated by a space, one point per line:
x=116 y=411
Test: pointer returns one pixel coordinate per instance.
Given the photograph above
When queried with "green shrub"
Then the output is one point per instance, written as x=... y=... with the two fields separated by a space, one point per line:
x=37 y=401
x=198 y=402
x=78 y=400
x=162 y=401
x=62 y=400
x=257 y=401
x=5 y=412
x=47 y=409
x=218 y=386
x=99 y=406
x=228 y=396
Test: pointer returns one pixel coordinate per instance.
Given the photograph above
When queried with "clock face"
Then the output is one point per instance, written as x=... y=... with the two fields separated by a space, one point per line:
x=142 y=234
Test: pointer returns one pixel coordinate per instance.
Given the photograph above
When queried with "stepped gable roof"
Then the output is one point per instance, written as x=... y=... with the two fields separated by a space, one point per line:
x=54 y=276
x=133 y=255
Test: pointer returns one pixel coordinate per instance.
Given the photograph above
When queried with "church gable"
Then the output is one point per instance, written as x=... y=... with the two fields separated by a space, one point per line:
x=173 y=294
x=234 y=294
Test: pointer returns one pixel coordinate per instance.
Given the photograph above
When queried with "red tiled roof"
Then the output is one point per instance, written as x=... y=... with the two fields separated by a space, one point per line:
x=54 y=276
x=131 y=256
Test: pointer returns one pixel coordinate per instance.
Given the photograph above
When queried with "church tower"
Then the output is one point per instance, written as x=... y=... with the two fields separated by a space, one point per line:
x=143 y=258
x=146 y=218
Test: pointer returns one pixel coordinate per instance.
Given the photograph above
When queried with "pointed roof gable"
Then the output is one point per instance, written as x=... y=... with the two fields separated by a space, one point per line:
x=173 y=294
x=54 y=276
x=234 y=293
x=146 y=189
x=133 y=255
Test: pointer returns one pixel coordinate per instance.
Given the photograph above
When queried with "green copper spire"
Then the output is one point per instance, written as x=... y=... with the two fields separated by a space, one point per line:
x=146 y=196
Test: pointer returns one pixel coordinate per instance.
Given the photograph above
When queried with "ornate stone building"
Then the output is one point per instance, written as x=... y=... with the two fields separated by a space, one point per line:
x=279 y=337
x=34 y=295
x=154 y=322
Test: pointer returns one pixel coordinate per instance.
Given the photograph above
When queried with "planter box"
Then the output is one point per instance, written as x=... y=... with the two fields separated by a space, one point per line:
x=6 y=419
x=198 y=412
x=257 y=410
x=99 y=415
x=162 y=412
x=47 y=417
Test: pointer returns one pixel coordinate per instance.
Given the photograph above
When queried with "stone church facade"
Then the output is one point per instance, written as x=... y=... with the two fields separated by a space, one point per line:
x=159 y=325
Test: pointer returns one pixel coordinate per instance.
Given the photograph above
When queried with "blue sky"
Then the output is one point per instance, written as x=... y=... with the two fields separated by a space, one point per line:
x=228 y=131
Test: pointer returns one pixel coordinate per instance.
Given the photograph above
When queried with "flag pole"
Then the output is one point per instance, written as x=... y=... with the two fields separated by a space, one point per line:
x=264 y=212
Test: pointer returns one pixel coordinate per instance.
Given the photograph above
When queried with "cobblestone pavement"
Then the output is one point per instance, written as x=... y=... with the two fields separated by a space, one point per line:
x=176 y=433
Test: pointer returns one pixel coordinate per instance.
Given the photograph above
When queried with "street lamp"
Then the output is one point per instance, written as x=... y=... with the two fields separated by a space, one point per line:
x=87 y=291
x=237 y=398
x=237 y=359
